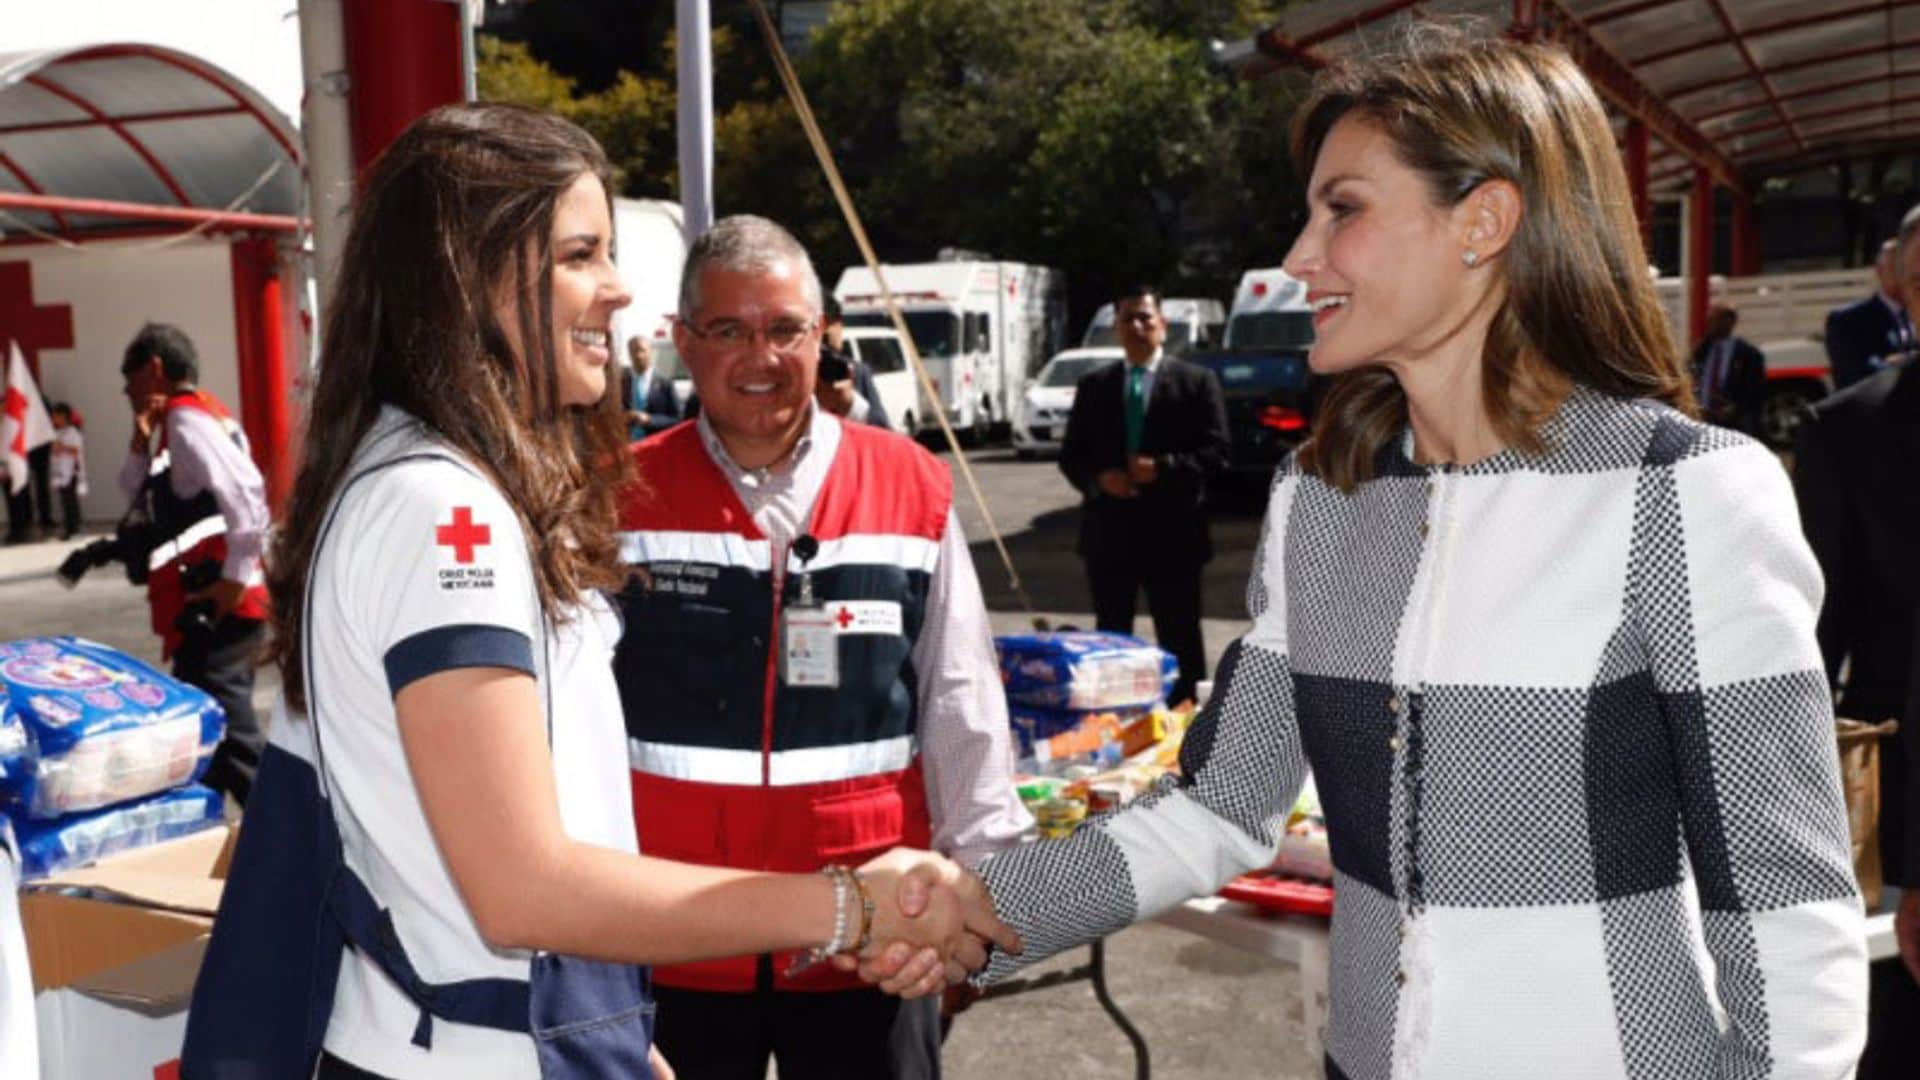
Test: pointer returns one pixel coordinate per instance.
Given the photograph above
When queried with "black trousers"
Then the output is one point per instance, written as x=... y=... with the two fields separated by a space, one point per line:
x=1173 y=599
x=843 y=1035
x=40 y=464
x=332 y=1068
x=222 y=664
x=70 y=509
x=19 y=511
x=1893 y=1023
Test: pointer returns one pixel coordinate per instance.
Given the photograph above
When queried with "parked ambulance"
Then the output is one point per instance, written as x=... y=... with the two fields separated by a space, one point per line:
x=1269 y=312
x=982 y=328
x=879 y=348
x=1192 y=323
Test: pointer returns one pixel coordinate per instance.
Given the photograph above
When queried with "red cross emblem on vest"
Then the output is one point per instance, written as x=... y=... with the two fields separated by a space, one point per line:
x=462 y=535
x=844 y=618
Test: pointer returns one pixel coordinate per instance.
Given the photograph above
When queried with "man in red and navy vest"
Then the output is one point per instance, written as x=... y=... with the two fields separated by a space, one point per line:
x=189 y=469
x=807 y=669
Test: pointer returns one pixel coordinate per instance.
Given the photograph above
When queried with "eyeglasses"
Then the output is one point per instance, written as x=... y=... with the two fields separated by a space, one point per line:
x=732 y=335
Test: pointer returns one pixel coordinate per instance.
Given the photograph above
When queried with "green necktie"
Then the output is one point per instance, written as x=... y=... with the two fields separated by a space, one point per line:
x=1136 y=407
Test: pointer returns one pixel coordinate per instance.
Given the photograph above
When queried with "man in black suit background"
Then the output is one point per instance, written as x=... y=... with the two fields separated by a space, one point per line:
x=650 y=402
x=1856 y=468
x=1866 y=336
x=1142 y=439
x=1729 y=373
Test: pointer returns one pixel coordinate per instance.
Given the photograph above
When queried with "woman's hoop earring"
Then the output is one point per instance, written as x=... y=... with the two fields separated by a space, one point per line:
x=1470 y=257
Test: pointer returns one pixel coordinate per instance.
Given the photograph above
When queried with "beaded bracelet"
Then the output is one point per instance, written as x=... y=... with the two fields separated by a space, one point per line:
x=846 y=884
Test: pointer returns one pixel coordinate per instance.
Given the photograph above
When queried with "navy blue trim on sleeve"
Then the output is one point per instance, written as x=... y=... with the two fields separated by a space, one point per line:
x=461 y=645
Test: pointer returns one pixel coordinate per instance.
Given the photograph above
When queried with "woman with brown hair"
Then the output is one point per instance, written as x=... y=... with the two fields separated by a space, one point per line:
x=438 y=873
x=1545 y=641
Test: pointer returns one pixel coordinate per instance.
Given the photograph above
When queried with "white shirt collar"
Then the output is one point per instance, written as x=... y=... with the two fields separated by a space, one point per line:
x=717 y=450
x=1152 y=366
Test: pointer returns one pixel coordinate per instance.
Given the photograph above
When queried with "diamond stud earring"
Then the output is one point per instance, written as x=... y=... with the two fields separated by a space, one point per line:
x=1471 y=258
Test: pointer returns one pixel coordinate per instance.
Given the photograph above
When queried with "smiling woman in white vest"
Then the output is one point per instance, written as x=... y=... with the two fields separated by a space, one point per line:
x=438 y=875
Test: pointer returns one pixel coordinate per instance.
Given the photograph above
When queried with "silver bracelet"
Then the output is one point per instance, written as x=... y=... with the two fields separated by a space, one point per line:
x=844 y=926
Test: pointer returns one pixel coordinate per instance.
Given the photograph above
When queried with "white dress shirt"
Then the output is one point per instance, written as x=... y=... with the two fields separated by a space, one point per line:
x=1152 y=368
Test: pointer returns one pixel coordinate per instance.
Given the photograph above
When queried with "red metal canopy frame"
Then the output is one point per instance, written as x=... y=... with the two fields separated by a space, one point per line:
x=259 y=294
x=1671 y=68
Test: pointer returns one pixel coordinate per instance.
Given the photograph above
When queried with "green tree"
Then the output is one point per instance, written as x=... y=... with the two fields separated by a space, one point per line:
x=634 y=121
x=1123 y=154
x=1092 y=135
x=507 y=71
x=633 y=117
x=1088 y=135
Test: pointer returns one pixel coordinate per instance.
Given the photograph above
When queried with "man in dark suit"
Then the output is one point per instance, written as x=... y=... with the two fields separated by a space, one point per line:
x=649 y=398
x=1856 y=465
x=1866 y=336
x=1729 y=373
x=1142 y=439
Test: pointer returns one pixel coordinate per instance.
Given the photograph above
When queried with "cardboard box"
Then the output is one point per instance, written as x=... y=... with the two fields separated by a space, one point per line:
x=113 y=971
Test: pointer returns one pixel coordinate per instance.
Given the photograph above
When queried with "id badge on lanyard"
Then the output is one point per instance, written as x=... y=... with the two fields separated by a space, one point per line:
x=809 y=641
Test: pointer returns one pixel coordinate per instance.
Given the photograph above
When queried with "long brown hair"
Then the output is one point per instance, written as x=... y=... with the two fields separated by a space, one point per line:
x=457 y=213
x=1462 y=108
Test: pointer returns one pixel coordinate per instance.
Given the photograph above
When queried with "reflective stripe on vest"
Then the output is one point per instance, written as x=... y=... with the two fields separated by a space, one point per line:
x=193 y=536
x=785 y=768
x=729 y=767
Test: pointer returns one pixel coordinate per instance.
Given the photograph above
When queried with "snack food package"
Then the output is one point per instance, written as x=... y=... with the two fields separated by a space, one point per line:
x=1084 y=671
x=47 y=847
x=95 y=727
x=1303 y=849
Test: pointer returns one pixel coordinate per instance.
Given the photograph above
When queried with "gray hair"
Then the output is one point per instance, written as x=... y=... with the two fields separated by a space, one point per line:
x=743 y=243
x=1909 y=225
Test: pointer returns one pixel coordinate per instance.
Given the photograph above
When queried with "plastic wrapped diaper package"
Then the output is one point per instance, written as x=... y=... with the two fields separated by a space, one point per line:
x=1084 y=671
x=14 y=760
x=84 y=727
x=48 y=847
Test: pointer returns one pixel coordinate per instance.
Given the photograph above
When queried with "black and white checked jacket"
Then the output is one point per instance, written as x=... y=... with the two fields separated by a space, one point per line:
x=1575 y=747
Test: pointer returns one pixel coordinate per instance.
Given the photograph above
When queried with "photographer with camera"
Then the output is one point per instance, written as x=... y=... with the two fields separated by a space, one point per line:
x=845 y=386
x=197 y=528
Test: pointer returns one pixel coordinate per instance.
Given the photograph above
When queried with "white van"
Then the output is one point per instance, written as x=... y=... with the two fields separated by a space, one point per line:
x=1192 y=323
x=880 y=349
x=980 y=327
x=1270 y=312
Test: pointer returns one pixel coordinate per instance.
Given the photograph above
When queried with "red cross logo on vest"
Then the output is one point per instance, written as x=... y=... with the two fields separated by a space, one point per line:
x=462 y=535
x=33 y=327
x=844 y=618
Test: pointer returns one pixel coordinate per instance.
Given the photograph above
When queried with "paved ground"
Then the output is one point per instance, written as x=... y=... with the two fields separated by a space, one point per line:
x=1039 y=516
x=1207 y=1010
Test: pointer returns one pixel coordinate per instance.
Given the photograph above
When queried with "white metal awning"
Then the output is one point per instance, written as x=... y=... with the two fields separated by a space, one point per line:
x=137 y=124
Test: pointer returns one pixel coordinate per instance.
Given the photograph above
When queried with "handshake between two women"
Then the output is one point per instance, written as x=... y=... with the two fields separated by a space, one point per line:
x=932 y=924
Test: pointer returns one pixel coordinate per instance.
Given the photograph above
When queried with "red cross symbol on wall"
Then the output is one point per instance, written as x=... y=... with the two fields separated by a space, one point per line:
x=33 y=327
x=462 y=535
x=844 y=618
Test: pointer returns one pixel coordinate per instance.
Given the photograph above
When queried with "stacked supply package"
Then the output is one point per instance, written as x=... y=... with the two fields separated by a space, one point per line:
x=99 y=752
x=1055 y=682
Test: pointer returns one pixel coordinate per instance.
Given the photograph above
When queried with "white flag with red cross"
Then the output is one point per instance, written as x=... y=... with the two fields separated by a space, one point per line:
x=24 y=423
